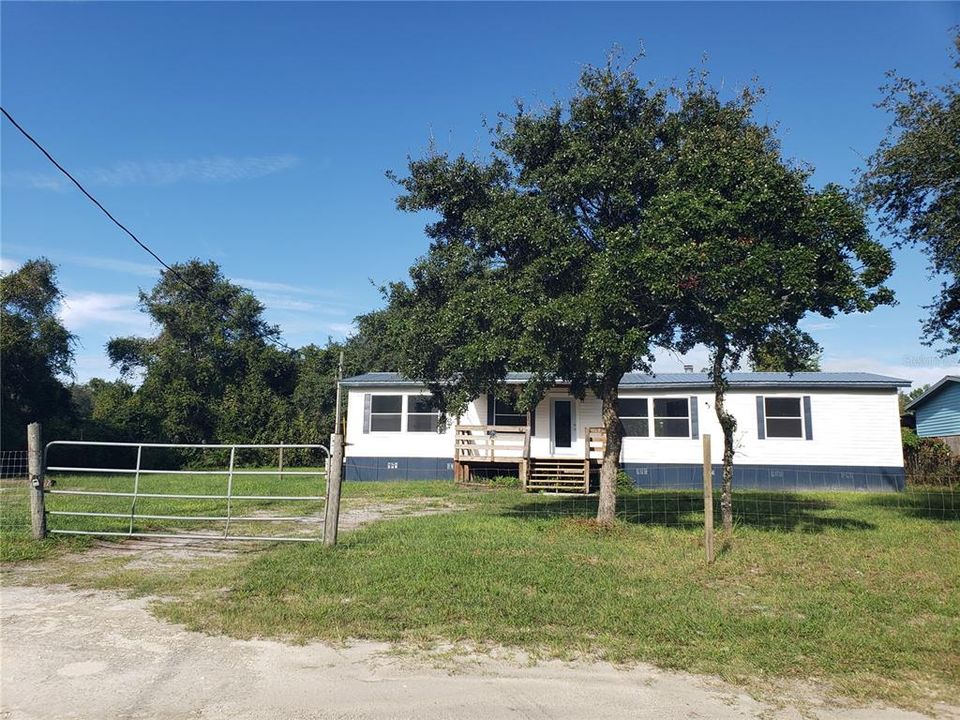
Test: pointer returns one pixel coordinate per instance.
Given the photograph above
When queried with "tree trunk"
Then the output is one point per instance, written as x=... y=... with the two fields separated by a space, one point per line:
x=728 y=423
x=610 y=467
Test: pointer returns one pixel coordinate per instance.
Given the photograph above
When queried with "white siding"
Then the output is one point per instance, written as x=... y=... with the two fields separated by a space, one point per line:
x=850 y=427
x=396 y=444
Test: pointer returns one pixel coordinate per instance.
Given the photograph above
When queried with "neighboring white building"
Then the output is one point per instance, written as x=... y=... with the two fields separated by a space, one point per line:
x=800 y=431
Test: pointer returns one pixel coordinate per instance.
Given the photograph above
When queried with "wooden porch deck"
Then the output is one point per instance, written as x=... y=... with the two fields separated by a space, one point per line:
x=488 y=446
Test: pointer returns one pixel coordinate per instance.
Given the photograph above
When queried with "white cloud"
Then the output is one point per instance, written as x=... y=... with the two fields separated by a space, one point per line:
x=34 y=181
x=124 y=266
x=217 y=169
x=286 y=302
x=273 y=292
x=929 y=370
x=8 y=264
x=342 y=328
x=90 y=309
x=90 y=365
x=269 y=286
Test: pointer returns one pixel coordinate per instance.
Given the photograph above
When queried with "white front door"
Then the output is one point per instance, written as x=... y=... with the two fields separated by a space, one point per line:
x=563 y=431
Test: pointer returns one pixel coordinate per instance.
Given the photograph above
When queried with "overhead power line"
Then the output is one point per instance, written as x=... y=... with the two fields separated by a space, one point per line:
x=116 y=222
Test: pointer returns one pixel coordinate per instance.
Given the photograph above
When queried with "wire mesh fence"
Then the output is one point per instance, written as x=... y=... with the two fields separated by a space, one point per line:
x=784 y=507
x=14 y=518
x=13 y=465
x=786 y=500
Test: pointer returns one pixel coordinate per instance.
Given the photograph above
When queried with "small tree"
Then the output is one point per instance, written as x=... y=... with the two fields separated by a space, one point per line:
x=905 y=398
x=751 y=247
x=912 y=183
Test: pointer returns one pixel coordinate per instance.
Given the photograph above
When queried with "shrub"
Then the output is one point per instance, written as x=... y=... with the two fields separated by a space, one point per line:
x=505 y=481
x=625 y=483
x=929 y=461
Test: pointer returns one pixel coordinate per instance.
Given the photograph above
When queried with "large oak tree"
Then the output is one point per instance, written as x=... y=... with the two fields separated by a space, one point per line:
x=627 y=219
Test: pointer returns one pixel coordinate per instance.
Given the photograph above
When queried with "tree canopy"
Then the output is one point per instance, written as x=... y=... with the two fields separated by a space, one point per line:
x=35 y=352
x=794 y=351
x=211 y=373
x=913 y=182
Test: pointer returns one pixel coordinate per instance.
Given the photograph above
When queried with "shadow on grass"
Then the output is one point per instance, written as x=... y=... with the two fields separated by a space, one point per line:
x=941 y=504
x=761 y=510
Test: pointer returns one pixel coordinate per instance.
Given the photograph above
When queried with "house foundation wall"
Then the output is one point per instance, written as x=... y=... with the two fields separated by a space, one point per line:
x=665 y=476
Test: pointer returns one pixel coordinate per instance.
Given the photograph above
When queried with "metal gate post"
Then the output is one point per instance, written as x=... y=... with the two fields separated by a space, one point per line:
x=331 y=519
x=38 y=515
x=136 y=490
x=226 y=529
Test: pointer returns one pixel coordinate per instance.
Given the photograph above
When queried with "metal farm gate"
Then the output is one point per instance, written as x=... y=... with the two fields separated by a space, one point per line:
x=231 y=474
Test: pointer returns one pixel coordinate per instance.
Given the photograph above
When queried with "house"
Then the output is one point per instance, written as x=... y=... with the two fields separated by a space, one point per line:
x=800 y=431
x=938 y=412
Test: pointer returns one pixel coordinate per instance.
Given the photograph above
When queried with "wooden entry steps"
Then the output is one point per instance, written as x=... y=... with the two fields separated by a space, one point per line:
x=558 y=475
x=483 y=450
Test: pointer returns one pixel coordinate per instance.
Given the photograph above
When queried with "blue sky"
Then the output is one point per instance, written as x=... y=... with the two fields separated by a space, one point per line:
x=258 y=135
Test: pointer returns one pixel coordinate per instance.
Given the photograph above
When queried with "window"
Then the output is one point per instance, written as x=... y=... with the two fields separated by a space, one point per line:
x=783 y=417
x=671 y=417
x=504 y=413
x=421 y=416
x=386 y=412
x=635 y=417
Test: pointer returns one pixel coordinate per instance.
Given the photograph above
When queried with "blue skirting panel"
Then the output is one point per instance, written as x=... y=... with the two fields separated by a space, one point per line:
x=769 y=477
x=398 y=468
x=655 y=476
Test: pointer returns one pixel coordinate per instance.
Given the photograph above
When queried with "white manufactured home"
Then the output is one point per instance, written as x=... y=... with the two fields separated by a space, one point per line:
x=801 y=431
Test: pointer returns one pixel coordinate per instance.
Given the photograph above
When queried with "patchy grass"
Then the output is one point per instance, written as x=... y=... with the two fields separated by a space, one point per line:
x=856 y=590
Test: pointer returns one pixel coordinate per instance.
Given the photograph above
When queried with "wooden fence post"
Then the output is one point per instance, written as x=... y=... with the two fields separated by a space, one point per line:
x=331 y=520
x=707 y=498
x=38 y=516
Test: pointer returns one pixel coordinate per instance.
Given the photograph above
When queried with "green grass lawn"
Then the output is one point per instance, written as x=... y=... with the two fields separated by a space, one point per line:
x=857 y=590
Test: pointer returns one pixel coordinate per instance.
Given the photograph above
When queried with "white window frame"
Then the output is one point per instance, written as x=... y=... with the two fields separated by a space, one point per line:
x=403 y=405
x=654 y=417
x=640 y=417
x=802 y=417
x=408 y=412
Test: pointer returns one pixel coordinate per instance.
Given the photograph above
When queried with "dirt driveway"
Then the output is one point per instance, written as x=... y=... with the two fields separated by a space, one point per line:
x=99 y=655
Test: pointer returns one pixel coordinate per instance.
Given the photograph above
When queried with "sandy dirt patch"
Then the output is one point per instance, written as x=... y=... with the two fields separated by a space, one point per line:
x=99 y=655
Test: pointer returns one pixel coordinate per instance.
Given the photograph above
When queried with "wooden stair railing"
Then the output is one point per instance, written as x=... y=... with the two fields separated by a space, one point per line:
x=475 y=444
x=595 y=442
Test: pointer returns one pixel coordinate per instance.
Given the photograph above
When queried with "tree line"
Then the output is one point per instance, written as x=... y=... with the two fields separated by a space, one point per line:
x=211 y=373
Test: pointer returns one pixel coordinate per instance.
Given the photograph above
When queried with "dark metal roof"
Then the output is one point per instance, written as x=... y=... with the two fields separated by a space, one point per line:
x=933 y=390
x=685 y=380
